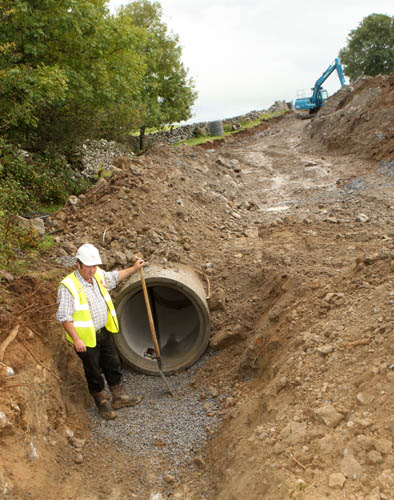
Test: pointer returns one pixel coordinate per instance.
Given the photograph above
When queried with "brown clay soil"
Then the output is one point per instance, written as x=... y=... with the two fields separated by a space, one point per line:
x=292 y=224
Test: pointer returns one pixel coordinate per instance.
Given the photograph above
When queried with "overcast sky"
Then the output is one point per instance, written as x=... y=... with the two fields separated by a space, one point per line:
x=245 y=54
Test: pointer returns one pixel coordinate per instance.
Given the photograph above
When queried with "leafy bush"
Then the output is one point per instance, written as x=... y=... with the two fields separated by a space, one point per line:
x=198 y=132
x=14 y=240
x=30 y=181
x=27 y=183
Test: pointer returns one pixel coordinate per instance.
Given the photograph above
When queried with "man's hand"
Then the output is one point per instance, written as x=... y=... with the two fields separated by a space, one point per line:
x=79 y=346
x=139 y=263
x=125 y=273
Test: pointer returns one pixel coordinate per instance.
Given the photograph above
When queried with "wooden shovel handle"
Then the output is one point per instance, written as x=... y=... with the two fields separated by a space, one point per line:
x=148 y=310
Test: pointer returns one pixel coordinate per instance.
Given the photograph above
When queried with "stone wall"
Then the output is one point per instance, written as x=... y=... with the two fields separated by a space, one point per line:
x=99 y=155
x=185 y=132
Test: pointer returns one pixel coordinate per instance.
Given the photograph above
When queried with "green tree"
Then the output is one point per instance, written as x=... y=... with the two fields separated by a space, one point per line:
x=66 y=71
x=70 y=70
x=167 y=94
x=370 y=47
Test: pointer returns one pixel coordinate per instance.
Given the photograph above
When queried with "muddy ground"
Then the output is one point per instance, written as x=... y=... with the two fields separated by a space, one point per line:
x=291 y=226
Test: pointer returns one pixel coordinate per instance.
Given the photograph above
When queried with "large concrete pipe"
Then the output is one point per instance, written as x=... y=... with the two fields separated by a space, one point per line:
x=181 y=316
x=216 y=128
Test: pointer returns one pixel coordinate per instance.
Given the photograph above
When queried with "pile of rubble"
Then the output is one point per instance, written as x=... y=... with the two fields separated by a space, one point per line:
x=99 y=155
x=362 y=121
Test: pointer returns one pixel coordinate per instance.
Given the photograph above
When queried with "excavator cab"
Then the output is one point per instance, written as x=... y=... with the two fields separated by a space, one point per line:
x=305 y=102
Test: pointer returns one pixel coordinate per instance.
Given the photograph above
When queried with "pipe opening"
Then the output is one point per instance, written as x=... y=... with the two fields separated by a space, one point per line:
x=181 y=321
x=176 y=322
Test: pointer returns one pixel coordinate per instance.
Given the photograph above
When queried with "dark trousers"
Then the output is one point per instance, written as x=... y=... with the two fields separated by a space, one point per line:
x=102 y=359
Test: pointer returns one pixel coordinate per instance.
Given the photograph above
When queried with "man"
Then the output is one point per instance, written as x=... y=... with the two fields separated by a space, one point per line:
x=88 y=316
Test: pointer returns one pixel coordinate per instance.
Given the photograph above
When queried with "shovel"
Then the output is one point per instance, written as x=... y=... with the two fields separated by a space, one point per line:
x=153 y=330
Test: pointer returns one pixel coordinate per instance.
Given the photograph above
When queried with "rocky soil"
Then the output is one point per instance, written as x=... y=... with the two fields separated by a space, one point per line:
x=291 y=226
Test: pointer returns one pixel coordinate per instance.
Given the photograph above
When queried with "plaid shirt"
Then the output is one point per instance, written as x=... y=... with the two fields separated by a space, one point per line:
x=97 y=304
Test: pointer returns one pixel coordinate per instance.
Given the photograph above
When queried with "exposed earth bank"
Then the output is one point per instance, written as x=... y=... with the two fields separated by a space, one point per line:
x=291 y=226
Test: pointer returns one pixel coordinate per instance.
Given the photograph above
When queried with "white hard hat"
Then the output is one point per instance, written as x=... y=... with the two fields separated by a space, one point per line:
x=88 y=255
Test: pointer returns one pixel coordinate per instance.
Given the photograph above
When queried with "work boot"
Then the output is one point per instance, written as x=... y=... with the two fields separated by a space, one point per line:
x=104 y=406
x=120 y=399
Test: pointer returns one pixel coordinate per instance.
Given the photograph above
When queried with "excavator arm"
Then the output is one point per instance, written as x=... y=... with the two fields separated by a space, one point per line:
x=317 y=88
x=317 y=99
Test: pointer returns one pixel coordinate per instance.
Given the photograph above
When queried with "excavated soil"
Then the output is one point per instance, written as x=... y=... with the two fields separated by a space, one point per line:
x=291 y=225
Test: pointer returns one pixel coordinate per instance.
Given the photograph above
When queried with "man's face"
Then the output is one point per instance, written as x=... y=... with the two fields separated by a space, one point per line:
x=87 y=272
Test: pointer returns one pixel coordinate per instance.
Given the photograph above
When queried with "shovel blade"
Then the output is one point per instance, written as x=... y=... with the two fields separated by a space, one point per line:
x=166 y=382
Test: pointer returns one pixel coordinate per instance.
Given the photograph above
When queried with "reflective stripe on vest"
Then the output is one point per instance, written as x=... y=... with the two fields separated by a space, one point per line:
x=112 y=324
x=82 y=318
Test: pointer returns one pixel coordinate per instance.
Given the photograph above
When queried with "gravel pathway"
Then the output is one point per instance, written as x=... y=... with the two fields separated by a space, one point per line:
x=173 y=428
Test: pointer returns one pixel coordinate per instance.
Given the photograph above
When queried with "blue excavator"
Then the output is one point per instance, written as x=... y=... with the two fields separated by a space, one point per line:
x=320 y=95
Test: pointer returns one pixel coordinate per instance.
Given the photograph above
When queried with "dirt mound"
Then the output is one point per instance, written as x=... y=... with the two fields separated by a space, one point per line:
x=294 y=237
x=362 y=122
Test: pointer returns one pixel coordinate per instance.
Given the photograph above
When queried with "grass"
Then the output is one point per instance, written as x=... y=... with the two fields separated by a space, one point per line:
x=50 y=209
x=264 y=117
x=195 y=141
x=27 y=259
x=21 y=248
x=102 y=173
x=46 y=243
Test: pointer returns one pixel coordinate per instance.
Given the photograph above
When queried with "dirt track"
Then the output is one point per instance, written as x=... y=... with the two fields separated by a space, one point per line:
x=296 y=238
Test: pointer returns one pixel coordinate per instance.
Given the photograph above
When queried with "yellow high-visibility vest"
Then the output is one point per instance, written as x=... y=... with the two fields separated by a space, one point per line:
x=82 y=318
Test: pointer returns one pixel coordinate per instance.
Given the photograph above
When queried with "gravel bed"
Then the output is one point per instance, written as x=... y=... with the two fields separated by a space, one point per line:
x=171 y=427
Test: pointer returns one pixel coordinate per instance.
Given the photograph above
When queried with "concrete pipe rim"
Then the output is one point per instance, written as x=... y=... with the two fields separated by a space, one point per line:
x=135 y=335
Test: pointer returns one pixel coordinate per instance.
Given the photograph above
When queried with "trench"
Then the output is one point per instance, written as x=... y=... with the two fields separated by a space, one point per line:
x=181 y=318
